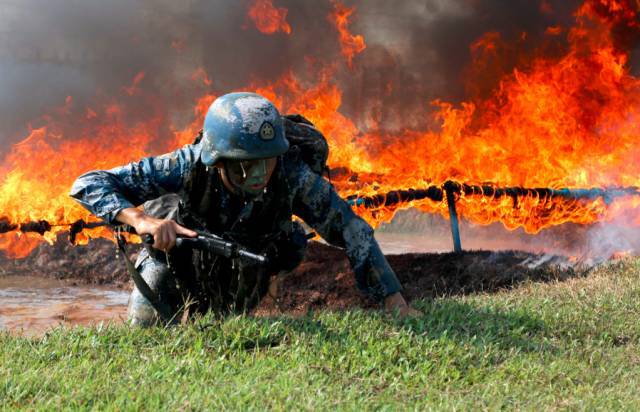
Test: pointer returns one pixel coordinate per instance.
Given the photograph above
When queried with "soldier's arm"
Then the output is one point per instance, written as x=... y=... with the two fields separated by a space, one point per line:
x=114 y=194
x=105 y=193
x=318 y=204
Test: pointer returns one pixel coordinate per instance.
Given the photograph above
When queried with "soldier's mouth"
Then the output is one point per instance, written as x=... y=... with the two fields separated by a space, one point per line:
x=255 y=185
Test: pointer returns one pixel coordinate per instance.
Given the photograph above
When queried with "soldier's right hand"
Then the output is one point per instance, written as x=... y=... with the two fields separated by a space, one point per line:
x=164 y=231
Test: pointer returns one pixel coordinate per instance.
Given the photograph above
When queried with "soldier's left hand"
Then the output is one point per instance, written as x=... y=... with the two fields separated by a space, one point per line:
x=396 y=302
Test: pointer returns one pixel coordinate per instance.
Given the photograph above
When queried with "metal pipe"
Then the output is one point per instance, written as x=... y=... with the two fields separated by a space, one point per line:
x=6 y=226
x=395 y=197
x=436 y=193
x=453 y=218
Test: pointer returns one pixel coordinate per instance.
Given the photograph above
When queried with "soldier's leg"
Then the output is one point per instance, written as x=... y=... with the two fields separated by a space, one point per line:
x=253 y=285
x=291 y=253
x=161 y=281
x=244 y=284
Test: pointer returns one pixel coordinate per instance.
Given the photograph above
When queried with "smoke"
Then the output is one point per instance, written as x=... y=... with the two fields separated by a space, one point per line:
x=416 y=51
x=422 y=49
x=413 y=232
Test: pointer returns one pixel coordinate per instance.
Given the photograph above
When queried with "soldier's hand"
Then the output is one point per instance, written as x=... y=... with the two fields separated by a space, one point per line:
x=396 y=302
x=164 y=231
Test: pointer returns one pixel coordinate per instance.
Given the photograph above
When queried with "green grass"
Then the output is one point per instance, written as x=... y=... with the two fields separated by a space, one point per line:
x=568 y=345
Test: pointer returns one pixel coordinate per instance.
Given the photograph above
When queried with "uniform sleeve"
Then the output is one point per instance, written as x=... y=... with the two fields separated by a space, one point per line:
x=106 y=192
x=318 y=204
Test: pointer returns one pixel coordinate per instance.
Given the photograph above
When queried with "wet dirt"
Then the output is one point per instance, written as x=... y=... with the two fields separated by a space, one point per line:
x=324 y=280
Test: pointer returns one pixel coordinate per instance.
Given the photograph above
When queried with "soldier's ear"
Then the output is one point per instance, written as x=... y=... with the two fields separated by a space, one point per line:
x=218 y=167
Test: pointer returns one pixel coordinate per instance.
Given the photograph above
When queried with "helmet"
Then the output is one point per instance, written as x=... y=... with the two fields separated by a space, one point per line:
x=242 y=126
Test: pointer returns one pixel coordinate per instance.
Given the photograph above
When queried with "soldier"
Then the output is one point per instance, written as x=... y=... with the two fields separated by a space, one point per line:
x=240 y=180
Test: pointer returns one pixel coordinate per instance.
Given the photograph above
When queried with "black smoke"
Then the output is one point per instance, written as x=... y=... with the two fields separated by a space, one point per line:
x=417 y=51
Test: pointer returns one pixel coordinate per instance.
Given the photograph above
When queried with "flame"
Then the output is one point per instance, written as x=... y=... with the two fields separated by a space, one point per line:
x=554 y=30
x=566 y=121
x=350 y=44
x=134 y=88
x=621 y=254
x=267 y=18
x=201 y=74
x=39 y=170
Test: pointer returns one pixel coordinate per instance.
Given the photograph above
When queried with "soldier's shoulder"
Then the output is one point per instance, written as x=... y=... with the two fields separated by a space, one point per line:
x=191 y=152
x=294 y=166
x=185 y=157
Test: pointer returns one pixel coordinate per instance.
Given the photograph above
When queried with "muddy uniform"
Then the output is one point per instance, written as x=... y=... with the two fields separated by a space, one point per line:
x=263 y=224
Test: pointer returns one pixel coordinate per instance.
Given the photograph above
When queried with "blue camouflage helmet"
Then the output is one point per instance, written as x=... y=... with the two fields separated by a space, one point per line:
x=242 y=126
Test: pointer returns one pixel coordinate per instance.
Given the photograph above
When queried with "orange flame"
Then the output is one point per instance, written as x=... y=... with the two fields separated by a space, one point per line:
x=37 y=173
x=268 y=18
x=350 y=44
x=134 y=88
x=201 y=74
x=554 y=30
x=568 y=121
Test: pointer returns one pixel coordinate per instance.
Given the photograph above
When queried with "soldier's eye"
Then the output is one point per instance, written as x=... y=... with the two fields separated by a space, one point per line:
x=234 y=169
x=240 y=170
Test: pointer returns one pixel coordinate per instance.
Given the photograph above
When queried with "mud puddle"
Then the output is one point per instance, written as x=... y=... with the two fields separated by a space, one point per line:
x=399 y=243
x=32 y=305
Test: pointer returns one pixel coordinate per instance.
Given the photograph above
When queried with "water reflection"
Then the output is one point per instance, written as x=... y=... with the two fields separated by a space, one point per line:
x=32 y=305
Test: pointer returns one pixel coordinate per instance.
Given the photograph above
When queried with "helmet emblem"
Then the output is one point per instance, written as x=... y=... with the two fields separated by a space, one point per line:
x=267 y=131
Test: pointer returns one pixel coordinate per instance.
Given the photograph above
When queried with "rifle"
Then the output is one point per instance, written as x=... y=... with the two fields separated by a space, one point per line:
x=213 y=243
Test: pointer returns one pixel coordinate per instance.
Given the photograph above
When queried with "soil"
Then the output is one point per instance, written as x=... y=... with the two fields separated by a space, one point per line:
x=324 y=280
x=96 y=263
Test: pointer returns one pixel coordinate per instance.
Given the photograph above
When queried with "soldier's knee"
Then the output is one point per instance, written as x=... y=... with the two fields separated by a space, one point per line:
x=140 y=311
x=156 y=273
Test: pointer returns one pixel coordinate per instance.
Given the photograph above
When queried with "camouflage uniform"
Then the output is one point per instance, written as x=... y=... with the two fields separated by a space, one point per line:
x=263 y=224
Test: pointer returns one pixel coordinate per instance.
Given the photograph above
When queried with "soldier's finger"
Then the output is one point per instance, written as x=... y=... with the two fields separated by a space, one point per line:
x=410 y=312
x=181 y=230
x=161 y=240
x=171 y=239
x=157 y=241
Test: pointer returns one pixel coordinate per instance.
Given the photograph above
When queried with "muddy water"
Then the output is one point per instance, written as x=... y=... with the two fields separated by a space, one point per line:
x=397 y=243
x=33 y=305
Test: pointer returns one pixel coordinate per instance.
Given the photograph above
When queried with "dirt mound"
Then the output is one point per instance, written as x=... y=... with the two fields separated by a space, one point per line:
x=95 y=263
x=324 y=279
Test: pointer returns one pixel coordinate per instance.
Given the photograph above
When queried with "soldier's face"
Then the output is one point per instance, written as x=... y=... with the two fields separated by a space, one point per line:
x=249 y=176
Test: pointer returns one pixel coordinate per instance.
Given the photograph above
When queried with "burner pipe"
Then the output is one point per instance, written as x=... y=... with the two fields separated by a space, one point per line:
x=452 y=190
x=437 y=194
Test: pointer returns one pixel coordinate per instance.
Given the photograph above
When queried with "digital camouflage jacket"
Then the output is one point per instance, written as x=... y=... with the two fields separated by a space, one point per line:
x=294 y=190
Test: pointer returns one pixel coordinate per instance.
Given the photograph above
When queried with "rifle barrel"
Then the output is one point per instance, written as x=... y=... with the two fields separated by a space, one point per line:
x=253 y=256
